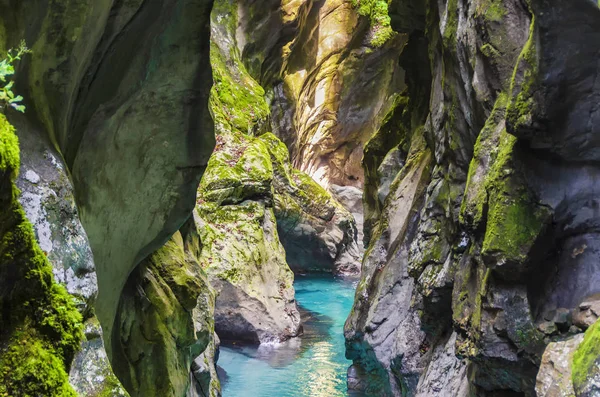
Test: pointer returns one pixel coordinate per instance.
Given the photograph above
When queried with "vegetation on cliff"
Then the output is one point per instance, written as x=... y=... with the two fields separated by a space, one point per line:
x=586 y=360
x=377 y=12
x=7 y=69
x=41 y=329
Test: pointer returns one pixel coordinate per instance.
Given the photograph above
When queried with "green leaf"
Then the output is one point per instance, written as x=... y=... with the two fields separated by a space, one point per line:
x=18 y=98
x=7 y=96
x=18 y=108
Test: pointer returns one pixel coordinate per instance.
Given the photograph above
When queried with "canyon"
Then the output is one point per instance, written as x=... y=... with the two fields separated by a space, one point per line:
x=194 y=183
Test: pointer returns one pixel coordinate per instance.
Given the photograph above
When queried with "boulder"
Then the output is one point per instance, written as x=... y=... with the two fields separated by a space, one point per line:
x=554 y=377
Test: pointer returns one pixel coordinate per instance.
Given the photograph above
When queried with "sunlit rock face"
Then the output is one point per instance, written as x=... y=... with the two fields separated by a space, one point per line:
x=554 y=377
x=329 y=86
x=478 y=217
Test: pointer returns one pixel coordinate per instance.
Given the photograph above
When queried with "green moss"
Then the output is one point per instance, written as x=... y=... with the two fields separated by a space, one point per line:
x=491 y=10
x=172 y=264
x=239 y=169
x=475 y=198
x=39 y=316
x=521 y=106
x=490 y=51
x=9 y=150
x=30 y=367
x=586 y=356
x=232 y=275
x=236 y=99
x=157 y=315
x=377 y=11
x=513 y=226
x=309 y=190
x=451 y=27
x=479 y=295
x=232 y=239
x=280 y=155
x=498 y=196
x=393 y=133
x=514 y=219
x=3 y=43
x=111 y=387
x=470 y=288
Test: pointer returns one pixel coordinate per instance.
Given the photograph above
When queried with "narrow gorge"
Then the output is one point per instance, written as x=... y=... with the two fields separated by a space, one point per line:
x=289 y=198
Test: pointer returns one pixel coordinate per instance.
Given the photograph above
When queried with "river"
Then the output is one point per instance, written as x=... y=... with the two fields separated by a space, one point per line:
x=313 y=365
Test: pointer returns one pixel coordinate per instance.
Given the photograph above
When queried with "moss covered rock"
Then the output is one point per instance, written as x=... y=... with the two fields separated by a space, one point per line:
x=586 y=363
x=246 y=264
x=318 y=233
x=164 y=322
x=91 y=374
x=241 y=251
x=41 y=327
x=121 y=91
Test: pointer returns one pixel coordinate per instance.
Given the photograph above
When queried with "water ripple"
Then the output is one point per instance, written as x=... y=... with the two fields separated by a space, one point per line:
x=311 y=366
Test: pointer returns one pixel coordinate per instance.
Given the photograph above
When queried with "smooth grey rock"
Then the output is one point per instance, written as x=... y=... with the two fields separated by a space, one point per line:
x=563 y=319
x=390 y=166
x=548 y=327
x=352 y=199
x=204 y=372
x=383 y=332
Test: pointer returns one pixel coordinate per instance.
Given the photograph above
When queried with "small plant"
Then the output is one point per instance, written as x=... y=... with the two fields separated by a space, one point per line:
x=7 y=96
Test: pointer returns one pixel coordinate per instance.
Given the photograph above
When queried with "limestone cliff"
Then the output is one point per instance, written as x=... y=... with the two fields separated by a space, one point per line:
x=41 y=328
x=330 y=73
x=470 y=128
x=117 y=124
x=477 y=206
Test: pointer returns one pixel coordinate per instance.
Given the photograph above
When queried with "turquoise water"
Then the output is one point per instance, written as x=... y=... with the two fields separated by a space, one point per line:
x=313 y=365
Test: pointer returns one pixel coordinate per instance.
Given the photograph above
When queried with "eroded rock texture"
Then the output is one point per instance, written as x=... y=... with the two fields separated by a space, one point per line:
x=476 y=123
x=40 y=327
x=329 y=83
x=317 y=231
x=120 y=89
x=117 y=119
x=47 y=198
x=478 y=215
x=164 y=320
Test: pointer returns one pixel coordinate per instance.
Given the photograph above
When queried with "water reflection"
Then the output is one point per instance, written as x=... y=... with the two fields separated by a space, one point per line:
x=311 y=366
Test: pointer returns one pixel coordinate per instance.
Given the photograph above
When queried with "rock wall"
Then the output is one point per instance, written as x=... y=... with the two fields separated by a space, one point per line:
x=476 y=124
x=41 y=328
x=317 y=232
x=165 y=320
x=46 y=194
x=470 y=200
x=117 y=123
x=96 y=87
x=329 y=73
